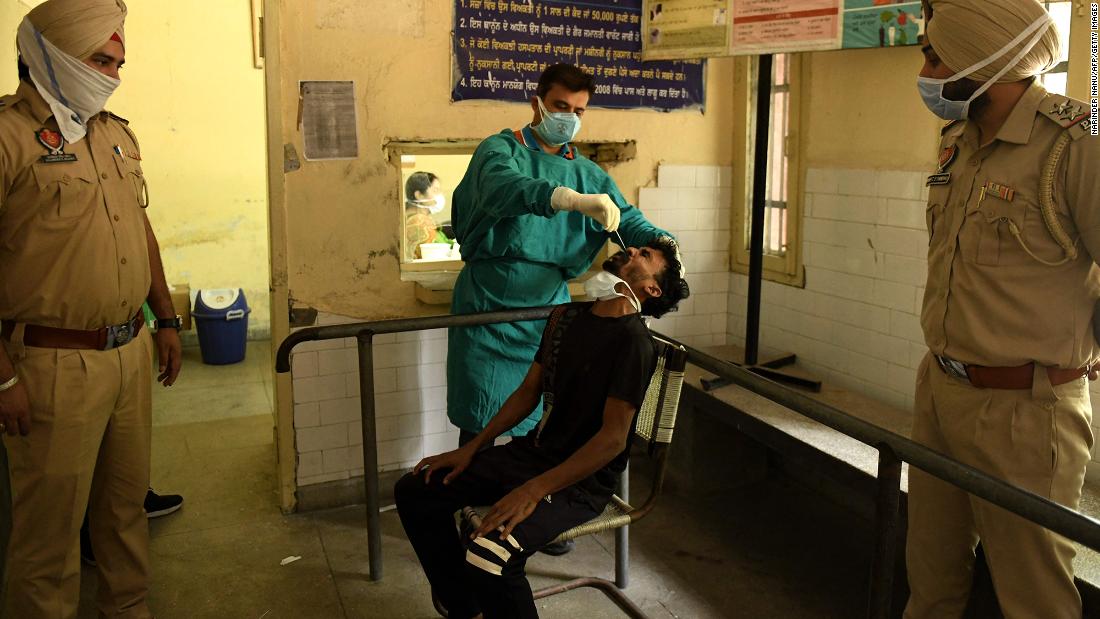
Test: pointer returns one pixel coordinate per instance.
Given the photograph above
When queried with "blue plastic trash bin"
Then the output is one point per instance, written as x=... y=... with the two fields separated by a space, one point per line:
x=221 y=317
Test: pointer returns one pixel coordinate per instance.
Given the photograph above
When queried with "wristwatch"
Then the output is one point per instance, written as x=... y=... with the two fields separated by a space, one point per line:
x=170 y=323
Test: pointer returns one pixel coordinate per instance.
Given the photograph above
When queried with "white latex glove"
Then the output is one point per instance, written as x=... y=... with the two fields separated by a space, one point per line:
x=598 y=206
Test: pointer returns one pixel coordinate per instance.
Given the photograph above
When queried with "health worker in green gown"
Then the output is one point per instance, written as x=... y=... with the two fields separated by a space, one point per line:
x=531 y=213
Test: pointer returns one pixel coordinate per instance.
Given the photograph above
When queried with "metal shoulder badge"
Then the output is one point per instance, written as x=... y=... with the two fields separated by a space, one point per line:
x=1074 y=116
x=55 y=146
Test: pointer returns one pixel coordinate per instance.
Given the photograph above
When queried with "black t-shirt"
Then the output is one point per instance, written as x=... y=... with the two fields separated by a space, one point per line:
x=585 y=360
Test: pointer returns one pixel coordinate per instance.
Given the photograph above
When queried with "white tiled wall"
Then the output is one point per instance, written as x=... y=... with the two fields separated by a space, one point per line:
x=410 y=402
x=693 y=203
x=855 y=323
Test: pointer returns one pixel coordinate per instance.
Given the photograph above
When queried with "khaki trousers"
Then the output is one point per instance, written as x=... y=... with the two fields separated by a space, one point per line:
x=1036 y=439
x=88 y=448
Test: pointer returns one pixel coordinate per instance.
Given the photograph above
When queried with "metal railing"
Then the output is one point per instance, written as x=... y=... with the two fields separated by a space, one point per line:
x=893 y=448
x=364 y=332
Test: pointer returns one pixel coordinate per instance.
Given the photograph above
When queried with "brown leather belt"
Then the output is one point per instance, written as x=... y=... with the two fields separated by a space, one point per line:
x=1018 y=377
x=96 y=339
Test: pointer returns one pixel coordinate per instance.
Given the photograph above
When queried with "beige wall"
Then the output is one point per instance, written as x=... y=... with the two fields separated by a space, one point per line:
x=1079 y=52
x=863 y=111
x=343 y=242
x=11 y=13
x=196 y=103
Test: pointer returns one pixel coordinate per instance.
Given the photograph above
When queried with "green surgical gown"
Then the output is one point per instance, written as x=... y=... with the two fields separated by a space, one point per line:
x=519 y=252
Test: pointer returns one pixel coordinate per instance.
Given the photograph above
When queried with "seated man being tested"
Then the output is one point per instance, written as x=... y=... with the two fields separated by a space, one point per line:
x=592 y=369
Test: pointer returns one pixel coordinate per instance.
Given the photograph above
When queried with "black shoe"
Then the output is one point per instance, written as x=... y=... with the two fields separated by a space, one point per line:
x=558 y=549
x=86 y=554
x=157 y=505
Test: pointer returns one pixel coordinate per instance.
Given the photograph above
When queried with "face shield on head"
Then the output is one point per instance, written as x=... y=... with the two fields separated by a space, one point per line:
x=931 y=89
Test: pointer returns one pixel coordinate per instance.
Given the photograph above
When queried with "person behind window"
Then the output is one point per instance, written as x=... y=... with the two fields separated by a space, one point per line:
x=423 y=199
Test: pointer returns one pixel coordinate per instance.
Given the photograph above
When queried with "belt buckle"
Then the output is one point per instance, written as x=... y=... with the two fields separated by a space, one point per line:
x=119 y=335
x=953 y=368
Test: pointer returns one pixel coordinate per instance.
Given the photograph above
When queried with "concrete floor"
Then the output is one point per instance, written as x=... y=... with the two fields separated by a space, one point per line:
x=756 y=552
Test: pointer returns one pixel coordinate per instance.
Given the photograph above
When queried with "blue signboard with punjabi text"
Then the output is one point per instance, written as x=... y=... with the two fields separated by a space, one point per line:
x=502 y=46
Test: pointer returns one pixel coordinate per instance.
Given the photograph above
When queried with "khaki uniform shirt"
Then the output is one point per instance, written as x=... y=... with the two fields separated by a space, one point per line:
x=988 y=301
x=73 y=247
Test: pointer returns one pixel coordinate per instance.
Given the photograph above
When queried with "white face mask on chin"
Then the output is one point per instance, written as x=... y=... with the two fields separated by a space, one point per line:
x=931 y=89
x=602 y=286
x=74 y=91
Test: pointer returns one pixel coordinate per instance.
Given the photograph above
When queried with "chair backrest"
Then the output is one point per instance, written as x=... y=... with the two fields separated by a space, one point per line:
x=657 y=417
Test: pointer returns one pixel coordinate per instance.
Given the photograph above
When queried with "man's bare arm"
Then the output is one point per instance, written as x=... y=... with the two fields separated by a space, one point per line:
x=602 y=448
x=595 y=454
x=15 y=408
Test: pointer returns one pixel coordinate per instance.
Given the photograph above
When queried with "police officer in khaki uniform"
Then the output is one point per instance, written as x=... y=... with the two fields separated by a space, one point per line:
x=77 y=260
x=1014 y=223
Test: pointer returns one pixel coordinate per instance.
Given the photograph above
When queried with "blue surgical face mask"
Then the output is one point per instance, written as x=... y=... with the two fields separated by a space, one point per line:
x=931 y=89
x=557 y=128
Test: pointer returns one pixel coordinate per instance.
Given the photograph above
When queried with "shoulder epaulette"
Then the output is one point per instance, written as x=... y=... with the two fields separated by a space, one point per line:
x=949 y=124
x=1070 y=114
x=118 y=118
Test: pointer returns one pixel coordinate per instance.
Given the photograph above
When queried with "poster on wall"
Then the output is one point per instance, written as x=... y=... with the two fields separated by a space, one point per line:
x=501 y=47
x=770 y=26
x=686 y=28
x=778 y=26
x=328 y=119
x=875 y=23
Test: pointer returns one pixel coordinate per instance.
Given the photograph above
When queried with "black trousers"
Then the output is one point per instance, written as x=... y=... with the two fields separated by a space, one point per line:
x=485 y=575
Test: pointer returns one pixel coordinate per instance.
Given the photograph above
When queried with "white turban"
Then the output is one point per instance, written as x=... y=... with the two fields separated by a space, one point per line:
x=965 y=32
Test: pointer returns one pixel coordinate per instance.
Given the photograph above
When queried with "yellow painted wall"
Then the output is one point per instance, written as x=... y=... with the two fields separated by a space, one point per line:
x=864 y=112
x=196 y=103
x=1079 y=52
x=342 y=232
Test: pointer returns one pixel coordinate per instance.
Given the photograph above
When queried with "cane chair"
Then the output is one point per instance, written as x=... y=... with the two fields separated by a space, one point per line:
x=653 y=431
